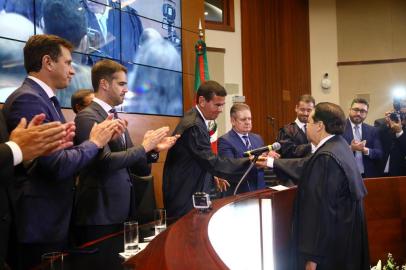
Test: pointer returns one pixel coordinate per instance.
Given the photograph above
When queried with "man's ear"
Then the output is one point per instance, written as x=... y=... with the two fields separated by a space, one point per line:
x=104 y=84
x=320 y=125
x=202 y=101
x=232 y=121
x=47 y=62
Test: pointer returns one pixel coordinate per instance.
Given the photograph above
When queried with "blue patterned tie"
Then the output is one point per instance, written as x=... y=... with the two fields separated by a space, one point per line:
x=358 y=154
x=57 y=107
x=247 y=142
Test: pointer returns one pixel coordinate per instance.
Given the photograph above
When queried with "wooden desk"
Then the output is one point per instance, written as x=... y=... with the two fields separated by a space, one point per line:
x=187 y=244
x=237 y=227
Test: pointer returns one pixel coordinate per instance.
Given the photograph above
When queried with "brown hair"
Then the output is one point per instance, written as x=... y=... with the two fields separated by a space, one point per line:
x=360 y=100
x=306 y=99
x=78 y=98
x=38 y=46
x=104 y=69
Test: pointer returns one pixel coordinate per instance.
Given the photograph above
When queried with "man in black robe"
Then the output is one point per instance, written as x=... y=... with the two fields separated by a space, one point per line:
x=191 y=164
x=329 y=226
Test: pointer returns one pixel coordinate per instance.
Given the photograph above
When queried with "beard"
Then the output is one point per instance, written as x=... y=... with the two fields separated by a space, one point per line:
x=356 y=120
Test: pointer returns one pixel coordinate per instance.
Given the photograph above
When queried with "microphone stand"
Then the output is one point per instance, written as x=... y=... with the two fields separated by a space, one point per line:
x=246 y=173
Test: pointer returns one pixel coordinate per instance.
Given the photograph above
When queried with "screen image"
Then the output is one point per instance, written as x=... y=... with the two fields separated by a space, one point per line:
x=143 y=35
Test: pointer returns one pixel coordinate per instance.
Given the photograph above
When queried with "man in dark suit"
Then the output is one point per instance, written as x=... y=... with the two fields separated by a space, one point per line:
x=292 y=137
x=81 y=99
x=107 y=23
x=392 y=133
x=363 y=139
x=190 y=164
x=25 y=143
x=329 y=226
x=43 y=199
x=105 y=195
x=238 y=140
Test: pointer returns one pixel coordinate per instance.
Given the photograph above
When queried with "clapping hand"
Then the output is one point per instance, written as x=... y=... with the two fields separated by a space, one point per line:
x=166 y=143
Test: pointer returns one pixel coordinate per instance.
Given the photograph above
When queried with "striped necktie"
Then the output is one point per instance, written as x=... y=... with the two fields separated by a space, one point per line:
x=358 y=154
x=58 y=110
x=247 y=142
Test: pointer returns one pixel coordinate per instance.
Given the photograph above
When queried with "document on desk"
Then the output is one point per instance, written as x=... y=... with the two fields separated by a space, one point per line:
x=279 y=188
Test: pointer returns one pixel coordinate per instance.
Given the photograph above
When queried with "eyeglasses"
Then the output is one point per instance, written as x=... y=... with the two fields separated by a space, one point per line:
x=359 y=110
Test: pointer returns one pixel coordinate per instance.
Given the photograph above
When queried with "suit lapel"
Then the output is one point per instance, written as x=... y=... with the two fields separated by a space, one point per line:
x=102 y=115
x=253 y=140
x=51 y=109
x=364 y=134
x=237 y=140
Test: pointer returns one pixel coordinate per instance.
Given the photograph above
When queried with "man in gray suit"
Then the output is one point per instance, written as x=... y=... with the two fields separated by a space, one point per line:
x=105 y=197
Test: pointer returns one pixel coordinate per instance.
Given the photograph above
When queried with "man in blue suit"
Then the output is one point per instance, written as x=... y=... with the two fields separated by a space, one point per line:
x=238 y=140
x=25 y=143
x=42 y=197
x=363 y=139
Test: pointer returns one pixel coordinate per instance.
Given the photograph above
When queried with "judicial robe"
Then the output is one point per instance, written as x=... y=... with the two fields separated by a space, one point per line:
x=191 y=164
x=329 y=225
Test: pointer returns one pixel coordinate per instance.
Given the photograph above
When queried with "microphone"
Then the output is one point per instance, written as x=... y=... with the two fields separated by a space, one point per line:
x=275 y=146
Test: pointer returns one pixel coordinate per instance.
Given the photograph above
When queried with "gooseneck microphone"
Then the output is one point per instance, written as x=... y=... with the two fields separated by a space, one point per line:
x=258 y=151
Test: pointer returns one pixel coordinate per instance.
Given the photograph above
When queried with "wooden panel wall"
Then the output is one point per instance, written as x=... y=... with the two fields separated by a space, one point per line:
x=276 y=60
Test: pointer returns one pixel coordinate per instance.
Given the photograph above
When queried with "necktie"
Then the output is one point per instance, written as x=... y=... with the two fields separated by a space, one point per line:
x=58 y=110
x=247 y=142
x=114 y=112
x=304 y=128
x=358 y=154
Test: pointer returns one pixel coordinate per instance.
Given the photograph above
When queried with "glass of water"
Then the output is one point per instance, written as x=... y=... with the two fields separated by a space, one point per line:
x=160 y=220
x=131 y=237
x=52 y=261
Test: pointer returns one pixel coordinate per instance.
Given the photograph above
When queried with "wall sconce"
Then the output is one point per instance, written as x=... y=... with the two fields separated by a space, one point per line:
x=325 y=82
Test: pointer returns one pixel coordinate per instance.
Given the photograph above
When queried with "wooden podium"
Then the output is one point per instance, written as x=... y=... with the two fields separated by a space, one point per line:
x=252 y=231
x=385 y=208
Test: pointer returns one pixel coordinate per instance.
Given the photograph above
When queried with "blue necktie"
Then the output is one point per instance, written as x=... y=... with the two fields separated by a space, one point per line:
x=247 y=142
x=358 y=154
x=58 y=110
x=114 y=112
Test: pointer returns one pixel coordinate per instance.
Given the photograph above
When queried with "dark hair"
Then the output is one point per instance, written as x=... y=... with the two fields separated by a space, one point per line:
x=306 y=99
x=38 y=46
x=360 y=100
x=78 y=98
x=332 y=117
x=104 y=69
x=209 y=89
x=65 y=18
x=237 y=107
